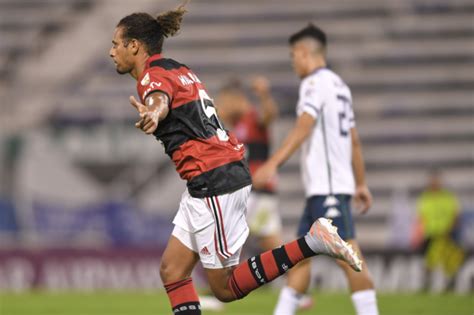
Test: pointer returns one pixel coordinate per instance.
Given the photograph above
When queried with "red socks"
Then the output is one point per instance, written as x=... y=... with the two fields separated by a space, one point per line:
x=183 y=297
x=265 y=267
x=245 y=278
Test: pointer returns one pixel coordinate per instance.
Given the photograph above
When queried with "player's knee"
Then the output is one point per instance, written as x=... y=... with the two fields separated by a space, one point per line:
x=169 y=273
x=164 y=272
x=222 y=293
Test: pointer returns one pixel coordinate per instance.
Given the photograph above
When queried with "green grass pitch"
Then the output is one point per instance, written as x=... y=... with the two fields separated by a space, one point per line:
x=258 y=303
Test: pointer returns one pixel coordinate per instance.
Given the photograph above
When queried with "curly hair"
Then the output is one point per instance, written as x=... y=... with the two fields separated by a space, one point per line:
x=152 y=31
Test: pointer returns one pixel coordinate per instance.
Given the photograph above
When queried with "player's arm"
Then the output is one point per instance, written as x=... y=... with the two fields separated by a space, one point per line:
x=362 y=196
x=155 y=109
x=268 y=107
x=302 y=129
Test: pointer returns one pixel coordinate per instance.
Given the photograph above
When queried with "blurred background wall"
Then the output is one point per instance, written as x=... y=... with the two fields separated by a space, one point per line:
x=76 y=178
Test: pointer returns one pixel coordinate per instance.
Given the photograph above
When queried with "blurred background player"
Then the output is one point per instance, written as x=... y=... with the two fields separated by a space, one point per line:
x=331 y=162
x=251 y=126
x=251 y=123
x=437 y=230
x=210 y=225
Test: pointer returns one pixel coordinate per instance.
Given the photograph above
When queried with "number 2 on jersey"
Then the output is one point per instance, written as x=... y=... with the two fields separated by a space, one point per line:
x=211 y=113
x=344 y=115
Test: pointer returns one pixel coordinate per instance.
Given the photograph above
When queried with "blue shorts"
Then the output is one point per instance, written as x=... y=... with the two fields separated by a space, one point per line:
x=339 y=211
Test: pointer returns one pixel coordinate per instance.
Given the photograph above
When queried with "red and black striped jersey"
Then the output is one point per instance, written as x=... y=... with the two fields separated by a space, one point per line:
x=250 y=131
x=208 y=157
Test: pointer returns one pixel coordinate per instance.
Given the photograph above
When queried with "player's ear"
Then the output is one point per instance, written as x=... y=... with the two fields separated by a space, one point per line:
x=134 y=46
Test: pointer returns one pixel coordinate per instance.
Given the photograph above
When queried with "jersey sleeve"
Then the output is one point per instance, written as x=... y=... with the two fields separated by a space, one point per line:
x=310 y=98
x=155 y=81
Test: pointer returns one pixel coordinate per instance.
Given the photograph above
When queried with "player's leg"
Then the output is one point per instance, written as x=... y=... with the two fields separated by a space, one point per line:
x=263 y=268
x=299 y=277
x=265 y=223
x=292 y=294
x=264 y=219
x=176 y=266
x=181 y=254
x=230 y=231
x=361 y=285
x=358 y=281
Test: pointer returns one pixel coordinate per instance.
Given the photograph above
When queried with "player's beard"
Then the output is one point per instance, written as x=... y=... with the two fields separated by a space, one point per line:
x=121 y=70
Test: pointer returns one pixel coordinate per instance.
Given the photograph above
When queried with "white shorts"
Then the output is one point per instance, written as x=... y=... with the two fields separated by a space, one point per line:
x=214 y=227
x=263 y=215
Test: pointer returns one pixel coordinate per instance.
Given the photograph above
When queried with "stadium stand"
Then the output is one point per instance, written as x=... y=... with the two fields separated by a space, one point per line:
x=409 y=64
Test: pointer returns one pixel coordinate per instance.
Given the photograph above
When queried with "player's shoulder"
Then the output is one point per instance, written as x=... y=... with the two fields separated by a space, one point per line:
x=151 y=74
x=314 y=80
x=166 y=64
x=165 y=67
x=335 y=79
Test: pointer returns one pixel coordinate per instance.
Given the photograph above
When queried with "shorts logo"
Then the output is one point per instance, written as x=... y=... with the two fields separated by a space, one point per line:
x=331 y=201
x=332 y=213
x=205 y=251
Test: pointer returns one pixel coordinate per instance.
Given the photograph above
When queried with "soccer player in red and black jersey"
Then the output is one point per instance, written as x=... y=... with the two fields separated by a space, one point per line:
x=210 y=224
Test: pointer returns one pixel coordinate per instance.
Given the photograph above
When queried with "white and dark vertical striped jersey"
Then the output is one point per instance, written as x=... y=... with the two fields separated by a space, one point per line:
x=326 y=158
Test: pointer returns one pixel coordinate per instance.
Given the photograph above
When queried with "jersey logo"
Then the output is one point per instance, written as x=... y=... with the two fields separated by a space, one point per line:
x=153 y=85
x=146 y=80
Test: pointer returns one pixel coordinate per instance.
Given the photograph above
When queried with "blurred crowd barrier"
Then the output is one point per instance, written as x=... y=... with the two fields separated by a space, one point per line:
x=125 y=269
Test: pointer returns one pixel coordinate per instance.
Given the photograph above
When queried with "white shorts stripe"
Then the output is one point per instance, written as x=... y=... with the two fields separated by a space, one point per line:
x=226 y=250
x=219 y=229
x=218 y=239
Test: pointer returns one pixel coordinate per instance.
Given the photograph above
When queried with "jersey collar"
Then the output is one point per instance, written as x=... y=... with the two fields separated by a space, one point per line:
x=315 y=71
x=152 y=58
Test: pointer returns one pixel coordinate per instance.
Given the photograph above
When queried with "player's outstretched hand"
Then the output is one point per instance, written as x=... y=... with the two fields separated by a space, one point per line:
x=363 y=198
x=263 y=175
x=148 y=119
x=260 y=85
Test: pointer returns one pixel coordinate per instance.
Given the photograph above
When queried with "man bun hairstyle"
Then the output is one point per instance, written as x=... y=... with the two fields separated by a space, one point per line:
x=310 y=31
x=170 y=21
x=152 y=31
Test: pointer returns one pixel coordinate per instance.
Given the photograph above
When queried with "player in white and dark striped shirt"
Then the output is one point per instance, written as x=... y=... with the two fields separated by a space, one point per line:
x=332 y=164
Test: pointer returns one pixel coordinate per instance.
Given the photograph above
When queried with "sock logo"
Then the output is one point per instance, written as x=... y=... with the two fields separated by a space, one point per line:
x=187 y=307
x=256 y=271
x=284 y=267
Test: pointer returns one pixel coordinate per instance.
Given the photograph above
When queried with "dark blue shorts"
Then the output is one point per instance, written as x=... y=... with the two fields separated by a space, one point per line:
x=338 y=211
